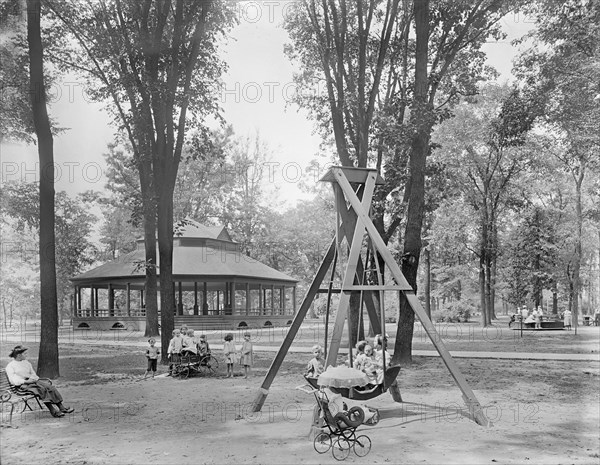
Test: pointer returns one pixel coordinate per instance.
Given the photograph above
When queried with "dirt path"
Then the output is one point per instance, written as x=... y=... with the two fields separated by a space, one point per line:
x=543 y=412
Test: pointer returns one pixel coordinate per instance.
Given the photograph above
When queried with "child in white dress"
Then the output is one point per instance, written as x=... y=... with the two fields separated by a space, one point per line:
x=229 y=351
x=246 y=355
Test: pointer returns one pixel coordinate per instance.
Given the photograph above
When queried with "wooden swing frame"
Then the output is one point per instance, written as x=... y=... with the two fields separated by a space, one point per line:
x=352 y=223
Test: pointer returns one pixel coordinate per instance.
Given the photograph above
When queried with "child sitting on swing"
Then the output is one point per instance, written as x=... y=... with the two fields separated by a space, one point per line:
x=367 y=364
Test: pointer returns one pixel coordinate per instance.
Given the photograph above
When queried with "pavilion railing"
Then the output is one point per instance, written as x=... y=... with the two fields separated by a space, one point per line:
x=107 y=313
x=141 y=312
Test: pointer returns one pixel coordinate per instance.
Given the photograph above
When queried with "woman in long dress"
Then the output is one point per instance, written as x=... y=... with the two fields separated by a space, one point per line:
x=20 y=373
x=567 y=319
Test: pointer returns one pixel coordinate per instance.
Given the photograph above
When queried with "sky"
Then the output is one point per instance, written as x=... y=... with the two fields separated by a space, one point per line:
x=255 y=98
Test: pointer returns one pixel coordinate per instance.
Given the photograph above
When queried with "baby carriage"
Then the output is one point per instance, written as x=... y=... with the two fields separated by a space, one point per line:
x=339 y=424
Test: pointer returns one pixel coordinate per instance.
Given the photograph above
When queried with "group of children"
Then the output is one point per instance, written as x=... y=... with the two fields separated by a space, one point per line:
x=244 y=355
x=369 y=358
x=184 y=342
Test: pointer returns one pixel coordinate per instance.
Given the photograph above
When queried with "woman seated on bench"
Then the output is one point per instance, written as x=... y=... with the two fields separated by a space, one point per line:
x=20 y=373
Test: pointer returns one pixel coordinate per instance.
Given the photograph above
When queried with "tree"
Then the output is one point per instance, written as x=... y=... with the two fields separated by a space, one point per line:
x=561 y=71
x=484 y=147
x=157 y=61
x=409 y=99
x=16 y=121
x=48 y=353
x=73 y=222
x=533 y=254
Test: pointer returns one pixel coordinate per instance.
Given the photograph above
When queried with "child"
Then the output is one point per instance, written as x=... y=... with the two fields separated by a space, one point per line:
x=246 y=354
x=189 y=343
x=152 y=354
x=360 y=358
x=229 y=351
x=369 y=364
x=315 y=365
x=381 y=356
x=175 y=346
x=203 y=347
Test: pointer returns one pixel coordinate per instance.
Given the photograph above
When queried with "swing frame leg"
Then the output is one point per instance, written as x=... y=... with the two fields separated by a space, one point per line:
x=263 y=391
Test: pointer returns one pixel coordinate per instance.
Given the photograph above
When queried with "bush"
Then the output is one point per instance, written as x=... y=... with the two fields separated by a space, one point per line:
x=454 y=312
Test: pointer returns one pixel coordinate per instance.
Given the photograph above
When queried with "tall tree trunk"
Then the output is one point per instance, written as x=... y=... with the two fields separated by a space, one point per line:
x=493 y=269
x=150 y=284
x=482 y=301
x=427 y=284
x=418 y=155
x=165 y=251
x=48 y=353
x=488 y=287
x=578 y=240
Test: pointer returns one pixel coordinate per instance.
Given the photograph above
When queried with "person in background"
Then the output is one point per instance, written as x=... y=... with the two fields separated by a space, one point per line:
x=152 y=354
x=203 y=347
x=188 y=343
x=539 y=318
x=20 y=373
x=174 y=350
x=229 y=352
x=567 y=319
x=246 y=355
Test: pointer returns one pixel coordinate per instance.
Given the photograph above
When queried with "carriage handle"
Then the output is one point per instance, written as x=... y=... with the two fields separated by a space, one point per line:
x=303 y=388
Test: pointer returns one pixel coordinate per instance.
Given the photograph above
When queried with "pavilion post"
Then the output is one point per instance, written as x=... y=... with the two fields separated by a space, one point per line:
x=180 y=297
x=205 y=299
x=294 y=298
x=95 y=292
x=92 y=300
x=232 y=298
x=247 y=298
x=272 y=299
x=128 y=304
x=111 y=300
x=260 y=300
x=195 y=298
x=281 y=307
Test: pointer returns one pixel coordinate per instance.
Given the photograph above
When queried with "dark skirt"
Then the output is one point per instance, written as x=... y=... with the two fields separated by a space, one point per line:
x=44 y=390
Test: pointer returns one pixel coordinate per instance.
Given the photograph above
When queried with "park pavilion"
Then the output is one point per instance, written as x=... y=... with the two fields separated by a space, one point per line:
x=216 y=287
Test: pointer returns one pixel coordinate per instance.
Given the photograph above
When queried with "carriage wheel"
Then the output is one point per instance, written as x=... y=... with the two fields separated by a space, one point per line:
x=184 y=372
x=362 y=445
x=210 y=365
x=341 y=449
x=322 y=442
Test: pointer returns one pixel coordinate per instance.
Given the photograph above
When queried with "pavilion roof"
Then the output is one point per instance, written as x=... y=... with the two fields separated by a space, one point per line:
x=208 y=252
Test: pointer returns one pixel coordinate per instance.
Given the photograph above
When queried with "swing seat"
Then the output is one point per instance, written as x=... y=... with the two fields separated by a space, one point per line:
x=391 y=373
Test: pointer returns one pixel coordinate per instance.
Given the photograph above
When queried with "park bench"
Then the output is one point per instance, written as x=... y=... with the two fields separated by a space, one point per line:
x=9 y=393
x=546 y=324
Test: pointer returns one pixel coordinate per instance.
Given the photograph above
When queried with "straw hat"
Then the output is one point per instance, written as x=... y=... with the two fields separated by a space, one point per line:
x=17 y=350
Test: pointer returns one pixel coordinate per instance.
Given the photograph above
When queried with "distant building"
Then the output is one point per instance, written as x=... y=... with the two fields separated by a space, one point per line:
x=216 y=287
